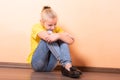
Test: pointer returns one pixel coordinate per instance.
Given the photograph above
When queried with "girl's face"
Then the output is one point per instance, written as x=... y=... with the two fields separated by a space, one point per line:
x=50 y=24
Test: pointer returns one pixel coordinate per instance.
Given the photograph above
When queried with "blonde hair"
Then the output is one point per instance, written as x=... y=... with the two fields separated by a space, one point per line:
x=47 y=13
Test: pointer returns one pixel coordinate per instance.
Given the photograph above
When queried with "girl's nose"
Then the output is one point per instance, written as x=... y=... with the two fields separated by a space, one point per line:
x=52 y=27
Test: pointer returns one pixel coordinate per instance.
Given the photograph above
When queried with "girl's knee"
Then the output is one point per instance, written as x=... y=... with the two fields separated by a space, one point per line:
x=37 y=66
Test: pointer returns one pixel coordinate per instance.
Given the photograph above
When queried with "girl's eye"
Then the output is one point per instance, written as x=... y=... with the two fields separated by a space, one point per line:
x=50 y=25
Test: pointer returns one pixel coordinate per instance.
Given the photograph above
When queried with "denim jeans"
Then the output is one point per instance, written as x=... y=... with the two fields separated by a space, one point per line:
x=47 y=55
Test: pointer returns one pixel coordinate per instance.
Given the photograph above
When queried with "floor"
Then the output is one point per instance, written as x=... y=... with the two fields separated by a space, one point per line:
x=29 y=74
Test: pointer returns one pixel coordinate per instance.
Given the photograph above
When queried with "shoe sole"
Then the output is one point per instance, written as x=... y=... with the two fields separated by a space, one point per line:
x=72 y=76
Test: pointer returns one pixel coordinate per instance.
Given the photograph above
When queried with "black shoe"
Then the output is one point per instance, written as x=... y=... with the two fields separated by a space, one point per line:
x=73 y=73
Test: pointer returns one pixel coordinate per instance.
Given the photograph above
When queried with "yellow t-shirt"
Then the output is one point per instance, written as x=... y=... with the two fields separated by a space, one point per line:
x=35 y=39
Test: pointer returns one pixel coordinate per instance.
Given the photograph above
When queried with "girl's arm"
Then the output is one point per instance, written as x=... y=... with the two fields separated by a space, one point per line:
x=43 y=35
x=66 y=37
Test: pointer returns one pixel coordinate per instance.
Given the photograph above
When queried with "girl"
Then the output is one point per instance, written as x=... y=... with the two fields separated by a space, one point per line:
x=49 y=45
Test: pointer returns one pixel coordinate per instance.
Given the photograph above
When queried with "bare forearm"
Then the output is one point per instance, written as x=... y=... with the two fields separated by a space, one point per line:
x=55 y=36
x=66 y=37
x=48 y=37
x=43 y=35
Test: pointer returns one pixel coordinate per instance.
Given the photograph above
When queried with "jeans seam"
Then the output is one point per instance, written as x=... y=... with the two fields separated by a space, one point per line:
x=54 y=51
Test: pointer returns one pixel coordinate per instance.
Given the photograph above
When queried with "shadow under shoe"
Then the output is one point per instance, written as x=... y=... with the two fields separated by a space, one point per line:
x=73 y=73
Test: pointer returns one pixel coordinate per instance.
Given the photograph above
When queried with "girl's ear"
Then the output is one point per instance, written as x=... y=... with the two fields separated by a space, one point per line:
x=42 y=22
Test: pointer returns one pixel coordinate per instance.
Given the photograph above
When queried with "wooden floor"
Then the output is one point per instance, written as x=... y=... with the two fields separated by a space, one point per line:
x=29 y=74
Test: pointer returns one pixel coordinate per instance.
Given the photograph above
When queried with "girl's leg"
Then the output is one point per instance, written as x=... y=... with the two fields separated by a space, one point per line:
x=61 y=51
x=40 y=56
x=67 y=69
x=52 y=63
x=64 y=48
x=41 y=60
x=44 y=61
x=58 y=52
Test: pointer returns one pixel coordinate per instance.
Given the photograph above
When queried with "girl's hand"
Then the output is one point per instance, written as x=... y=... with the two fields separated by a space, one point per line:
x=52 y=37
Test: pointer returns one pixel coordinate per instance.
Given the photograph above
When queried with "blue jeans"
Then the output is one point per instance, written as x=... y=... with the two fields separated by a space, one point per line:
x=47 y=55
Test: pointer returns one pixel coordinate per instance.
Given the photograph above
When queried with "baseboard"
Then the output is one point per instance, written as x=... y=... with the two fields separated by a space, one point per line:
x=100 y=69
x=95 y=69
x=14 y=65
x=82 y=68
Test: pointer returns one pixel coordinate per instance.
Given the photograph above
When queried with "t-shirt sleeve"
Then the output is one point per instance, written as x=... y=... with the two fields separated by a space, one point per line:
x=59 y=30
x=36 y=30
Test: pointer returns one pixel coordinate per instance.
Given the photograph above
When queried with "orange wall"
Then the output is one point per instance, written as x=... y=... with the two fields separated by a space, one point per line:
x=94 y=24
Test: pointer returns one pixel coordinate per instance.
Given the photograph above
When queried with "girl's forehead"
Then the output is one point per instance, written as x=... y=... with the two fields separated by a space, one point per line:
x=51 y=20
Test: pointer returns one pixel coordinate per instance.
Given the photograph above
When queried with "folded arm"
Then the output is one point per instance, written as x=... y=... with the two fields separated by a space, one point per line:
x=64 y=36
